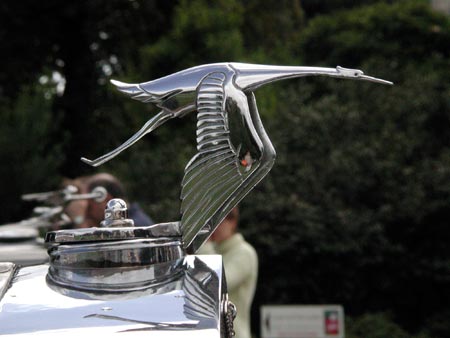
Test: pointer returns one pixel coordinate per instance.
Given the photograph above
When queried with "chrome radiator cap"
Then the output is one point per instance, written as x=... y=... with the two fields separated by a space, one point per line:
x=116 y=256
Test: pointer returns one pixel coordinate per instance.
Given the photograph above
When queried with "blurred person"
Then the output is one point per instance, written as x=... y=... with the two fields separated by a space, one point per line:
x=95 y=211
x=241 y=268
x=76 y=210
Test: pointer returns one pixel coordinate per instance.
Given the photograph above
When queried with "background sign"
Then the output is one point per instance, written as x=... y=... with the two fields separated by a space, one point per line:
x=302 y=321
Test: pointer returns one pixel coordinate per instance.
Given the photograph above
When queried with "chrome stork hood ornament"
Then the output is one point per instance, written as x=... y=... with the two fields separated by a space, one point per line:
x=234 y=152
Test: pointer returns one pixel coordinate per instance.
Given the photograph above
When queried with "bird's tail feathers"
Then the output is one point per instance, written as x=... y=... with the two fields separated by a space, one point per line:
x=136 y=92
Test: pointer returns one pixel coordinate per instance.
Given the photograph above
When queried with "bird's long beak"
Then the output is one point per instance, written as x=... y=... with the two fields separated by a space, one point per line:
x=151 y=125
x=358 y=75
x=374 y=79
x=249 y=76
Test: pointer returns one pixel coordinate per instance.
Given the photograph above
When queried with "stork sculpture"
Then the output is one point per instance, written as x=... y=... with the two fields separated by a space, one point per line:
x=233 y=150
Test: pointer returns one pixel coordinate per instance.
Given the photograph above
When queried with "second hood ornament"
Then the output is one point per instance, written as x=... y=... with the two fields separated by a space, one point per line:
x=234 y=152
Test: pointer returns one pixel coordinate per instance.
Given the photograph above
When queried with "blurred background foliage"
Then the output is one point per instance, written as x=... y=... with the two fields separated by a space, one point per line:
x=356 y=208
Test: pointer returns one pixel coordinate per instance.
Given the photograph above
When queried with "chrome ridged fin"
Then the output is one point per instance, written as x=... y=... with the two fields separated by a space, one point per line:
x=214 y=169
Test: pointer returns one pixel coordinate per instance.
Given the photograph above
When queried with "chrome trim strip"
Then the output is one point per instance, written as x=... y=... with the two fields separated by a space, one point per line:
x=7 y=271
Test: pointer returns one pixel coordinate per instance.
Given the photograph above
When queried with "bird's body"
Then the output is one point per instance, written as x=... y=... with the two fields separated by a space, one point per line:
x=233 y=150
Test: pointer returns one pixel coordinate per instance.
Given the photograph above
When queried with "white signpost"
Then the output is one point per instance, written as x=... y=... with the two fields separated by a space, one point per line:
x=302 y=321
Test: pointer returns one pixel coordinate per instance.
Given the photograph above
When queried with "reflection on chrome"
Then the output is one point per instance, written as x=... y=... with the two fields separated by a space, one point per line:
x=116 y=257
x=199 y=285
x=188 y=303
x=153 y=325
x=121 y=278
x=234 y=152
x=115 y=266
x=20 y=242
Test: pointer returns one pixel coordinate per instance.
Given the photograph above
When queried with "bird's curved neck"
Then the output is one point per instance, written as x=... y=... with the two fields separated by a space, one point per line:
x=250 y=77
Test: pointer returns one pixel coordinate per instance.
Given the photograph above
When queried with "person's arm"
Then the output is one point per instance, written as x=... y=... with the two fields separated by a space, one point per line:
x=240 y=267
x=207 y=249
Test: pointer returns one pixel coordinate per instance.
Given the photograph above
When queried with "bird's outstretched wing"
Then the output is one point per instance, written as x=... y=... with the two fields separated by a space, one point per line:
x=213 y=174
x=137 y=93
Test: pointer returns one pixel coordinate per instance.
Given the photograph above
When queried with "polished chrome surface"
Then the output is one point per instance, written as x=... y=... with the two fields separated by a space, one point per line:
x=95 y=259
x=97 y=194
x=56 y=197
x=23 y=253
x=45 y=217
x=52 y=214
x=187 y=306
x=116 y=214
x=7 y=271
x=17 y=232
x=113 y=234
x=100 y=266
x=69 y=193
x=20 y=242
x=233 y=150
x=229 y=312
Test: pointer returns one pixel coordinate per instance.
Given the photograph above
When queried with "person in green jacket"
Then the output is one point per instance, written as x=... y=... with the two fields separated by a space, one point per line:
x=241 y=268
